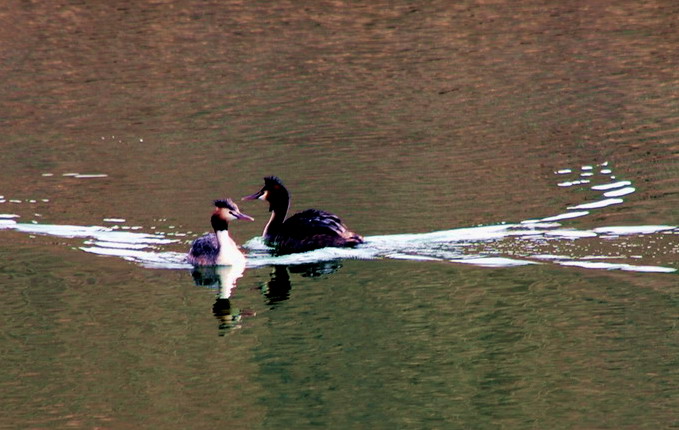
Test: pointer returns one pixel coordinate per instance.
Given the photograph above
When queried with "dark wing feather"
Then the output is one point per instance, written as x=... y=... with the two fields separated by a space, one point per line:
x=313 y=229
x=313 y=222
x=204 y=250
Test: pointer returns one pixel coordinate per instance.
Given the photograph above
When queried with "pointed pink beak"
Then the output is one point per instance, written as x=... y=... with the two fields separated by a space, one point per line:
x=243 y=216
x=255 y=196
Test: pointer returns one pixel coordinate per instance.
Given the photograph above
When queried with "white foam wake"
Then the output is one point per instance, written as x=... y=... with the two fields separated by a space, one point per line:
x=461 y=245
x=481 y=246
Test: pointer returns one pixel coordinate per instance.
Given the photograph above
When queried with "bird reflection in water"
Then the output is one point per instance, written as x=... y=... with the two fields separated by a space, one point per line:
x=276 y=290
x=223 y=279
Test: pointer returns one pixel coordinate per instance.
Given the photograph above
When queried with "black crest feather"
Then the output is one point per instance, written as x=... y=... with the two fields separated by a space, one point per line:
x=272 y=180
x=226 y=204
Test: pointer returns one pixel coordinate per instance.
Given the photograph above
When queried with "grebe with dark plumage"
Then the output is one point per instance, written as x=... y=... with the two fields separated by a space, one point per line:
x=218 y=248
x=303 y=231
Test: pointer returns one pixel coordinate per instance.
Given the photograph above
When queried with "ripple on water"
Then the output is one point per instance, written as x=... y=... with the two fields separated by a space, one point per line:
x=598 y=204
x=620 y=192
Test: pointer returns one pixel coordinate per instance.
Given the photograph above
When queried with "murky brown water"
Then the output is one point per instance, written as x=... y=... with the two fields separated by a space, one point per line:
x=404 y=118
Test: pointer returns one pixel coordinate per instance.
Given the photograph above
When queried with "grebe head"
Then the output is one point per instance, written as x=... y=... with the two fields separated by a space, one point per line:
x=273 y=192
x=225 y=211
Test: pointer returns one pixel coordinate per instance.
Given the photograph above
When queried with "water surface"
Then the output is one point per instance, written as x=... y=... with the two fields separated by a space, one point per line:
x=513 y=168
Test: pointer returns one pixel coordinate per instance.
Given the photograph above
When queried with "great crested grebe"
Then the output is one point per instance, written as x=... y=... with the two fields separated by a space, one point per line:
x=218 y=249
x=303 y=231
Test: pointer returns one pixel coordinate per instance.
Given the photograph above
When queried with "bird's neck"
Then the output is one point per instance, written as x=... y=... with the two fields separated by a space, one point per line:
x=228 y=254
x=278 y=213
x=219 y=223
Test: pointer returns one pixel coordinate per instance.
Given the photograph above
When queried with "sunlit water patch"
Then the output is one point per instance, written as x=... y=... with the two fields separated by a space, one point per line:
x=85 y=175
x=600 y=180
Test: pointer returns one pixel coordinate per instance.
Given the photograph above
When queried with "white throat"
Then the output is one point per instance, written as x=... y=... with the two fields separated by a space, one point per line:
x=229 y=254
x=266 y=228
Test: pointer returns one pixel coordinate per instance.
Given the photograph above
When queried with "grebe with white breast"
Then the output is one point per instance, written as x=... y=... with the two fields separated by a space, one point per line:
x=303 y=231
x=218 y=248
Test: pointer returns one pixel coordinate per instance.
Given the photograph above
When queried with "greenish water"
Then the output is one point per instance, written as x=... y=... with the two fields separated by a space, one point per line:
x=379 y=344
x=513 y=167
